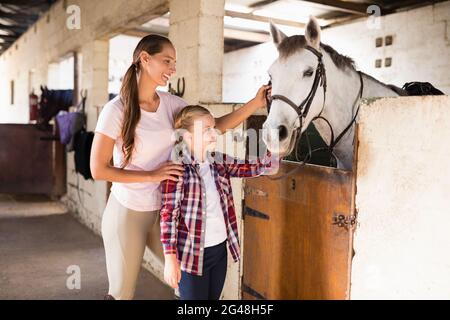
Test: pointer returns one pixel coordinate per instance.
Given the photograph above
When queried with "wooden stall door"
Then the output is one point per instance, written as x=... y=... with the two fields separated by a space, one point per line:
x=31 y=161
x=292 y=249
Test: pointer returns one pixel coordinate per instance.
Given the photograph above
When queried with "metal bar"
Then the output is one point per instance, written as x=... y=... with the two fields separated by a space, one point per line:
x=254 y=213
x=252 y=292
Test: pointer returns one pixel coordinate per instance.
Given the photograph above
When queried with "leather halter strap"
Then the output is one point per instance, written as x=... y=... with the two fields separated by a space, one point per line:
x=319 y=79
x=303 y=109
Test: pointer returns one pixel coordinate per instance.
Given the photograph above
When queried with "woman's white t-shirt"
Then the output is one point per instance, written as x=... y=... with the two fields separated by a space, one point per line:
x=154 y=140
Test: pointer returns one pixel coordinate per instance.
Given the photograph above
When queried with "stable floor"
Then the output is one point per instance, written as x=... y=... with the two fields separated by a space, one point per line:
x=40 y=247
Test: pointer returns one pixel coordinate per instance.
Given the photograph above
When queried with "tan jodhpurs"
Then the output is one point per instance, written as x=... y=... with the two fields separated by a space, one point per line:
x=126 y=233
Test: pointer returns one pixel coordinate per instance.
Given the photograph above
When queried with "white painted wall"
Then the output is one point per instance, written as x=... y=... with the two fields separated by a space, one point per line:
x=403 y=200
x=420 y=52
x=61 y=74
x=121 y=49
x=245 y=70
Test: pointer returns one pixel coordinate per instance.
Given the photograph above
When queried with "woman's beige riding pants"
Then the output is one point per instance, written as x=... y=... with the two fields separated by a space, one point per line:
x=125 y=234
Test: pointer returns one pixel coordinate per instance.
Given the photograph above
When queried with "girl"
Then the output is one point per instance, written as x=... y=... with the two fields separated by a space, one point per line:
x=197 y=214
x=135 y=130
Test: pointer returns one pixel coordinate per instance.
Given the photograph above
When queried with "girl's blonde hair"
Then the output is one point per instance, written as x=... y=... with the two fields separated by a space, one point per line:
x=186 y=117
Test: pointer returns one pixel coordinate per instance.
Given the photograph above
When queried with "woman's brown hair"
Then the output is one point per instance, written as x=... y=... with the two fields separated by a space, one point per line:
x=129 y=94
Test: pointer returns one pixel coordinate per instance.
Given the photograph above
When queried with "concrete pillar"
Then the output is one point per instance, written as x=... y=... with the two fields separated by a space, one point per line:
x=94 y=77
x=87 y=197
x=196 y=30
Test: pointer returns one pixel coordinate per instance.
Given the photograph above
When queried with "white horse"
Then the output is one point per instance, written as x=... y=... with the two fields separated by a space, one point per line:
x=293 y=75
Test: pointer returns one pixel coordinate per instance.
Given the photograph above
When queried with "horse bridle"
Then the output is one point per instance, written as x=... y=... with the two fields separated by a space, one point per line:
x=303 y=108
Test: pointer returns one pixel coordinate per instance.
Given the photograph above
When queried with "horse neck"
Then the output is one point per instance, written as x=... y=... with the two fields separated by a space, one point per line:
x=343 y=86
x=374 y=88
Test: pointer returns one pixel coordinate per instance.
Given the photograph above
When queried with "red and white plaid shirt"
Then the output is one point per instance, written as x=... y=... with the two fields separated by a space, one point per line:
x=183 y=211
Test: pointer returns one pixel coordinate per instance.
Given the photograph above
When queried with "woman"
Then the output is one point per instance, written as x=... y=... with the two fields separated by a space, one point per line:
x=136 y=130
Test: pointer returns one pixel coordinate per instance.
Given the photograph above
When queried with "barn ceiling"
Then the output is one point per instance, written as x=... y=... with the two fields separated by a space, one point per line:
x=245 y=20
x=16 y=16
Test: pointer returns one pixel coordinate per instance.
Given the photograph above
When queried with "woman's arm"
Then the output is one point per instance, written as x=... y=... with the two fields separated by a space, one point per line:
x=233 y=119
x=101 y=169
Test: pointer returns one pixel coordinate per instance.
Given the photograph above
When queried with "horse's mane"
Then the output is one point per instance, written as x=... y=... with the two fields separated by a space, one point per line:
x=290 y=45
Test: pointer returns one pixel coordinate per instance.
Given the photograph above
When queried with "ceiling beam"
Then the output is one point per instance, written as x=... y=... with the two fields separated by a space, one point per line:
x=43 y=3
x=245 y=35
x=18 y=19
x=227 y=33
x=142 y=32
x=8 y=38
x=6 y=43
x=344 y=6
x=260 y=4
x=254 y=17
x=16 y=29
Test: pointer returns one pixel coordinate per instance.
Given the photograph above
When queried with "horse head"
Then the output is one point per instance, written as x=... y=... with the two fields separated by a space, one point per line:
x=297 y=98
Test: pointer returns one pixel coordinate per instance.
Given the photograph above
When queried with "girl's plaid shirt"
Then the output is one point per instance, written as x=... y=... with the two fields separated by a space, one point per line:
x=183 y=210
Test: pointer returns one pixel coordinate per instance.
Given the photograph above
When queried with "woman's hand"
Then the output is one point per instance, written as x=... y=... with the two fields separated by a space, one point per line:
x=172 y=271
x=260 y=98
x=235 y=118
x=167 y=171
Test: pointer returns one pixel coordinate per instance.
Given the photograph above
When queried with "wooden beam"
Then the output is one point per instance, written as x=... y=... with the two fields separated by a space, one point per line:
x=261 y=4
x=344 y=6
x=17 y=18
x=227 y=32
x=28 y=2
x=16 y=29
x=249 y=16
x=245 y=35
x=8 y=38
x=140 y=32
x=341 y=21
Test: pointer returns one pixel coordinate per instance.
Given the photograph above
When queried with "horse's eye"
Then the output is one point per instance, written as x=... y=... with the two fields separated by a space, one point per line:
x=308 y=73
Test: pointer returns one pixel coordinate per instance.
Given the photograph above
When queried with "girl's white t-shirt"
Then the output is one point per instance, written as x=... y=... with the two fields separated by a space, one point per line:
x=216 y=230
x=154 y=140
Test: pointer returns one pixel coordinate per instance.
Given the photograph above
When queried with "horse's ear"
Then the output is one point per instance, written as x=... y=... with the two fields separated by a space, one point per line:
x=277 y=34
x=312 y=33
